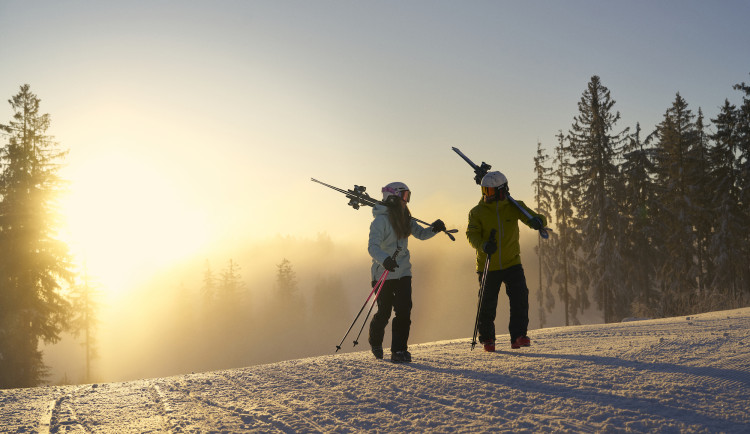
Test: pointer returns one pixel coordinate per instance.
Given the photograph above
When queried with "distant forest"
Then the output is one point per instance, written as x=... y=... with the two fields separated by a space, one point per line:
x=650 y=224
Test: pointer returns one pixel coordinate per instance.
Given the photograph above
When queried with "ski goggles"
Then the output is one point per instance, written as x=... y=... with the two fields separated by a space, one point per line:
x=498 y=192
x=405 y=195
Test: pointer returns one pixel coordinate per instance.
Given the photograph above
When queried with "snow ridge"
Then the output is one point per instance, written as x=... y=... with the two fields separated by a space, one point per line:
x=676 y=374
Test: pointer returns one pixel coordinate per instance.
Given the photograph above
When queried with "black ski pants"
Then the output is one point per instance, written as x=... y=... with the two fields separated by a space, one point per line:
x=396 y=296
x=518 y=295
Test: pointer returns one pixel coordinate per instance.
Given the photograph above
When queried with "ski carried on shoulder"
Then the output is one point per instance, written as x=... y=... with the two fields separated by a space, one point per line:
x=358 y=197
x=482 y=170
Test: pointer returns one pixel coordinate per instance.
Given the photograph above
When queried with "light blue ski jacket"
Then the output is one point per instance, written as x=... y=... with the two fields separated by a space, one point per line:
x=383 y=243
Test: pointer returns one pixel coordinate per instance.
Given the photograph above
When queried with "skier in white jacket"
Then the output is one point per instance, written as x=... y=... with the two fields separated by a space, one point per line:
x=389 y=232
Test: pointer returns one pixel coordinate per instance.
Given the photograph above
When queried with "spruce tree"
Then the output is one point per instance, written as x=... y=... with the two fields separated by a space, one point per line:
x=562 y=271
x=34 y=265
x=725 y=246
x=596 y=186
x=543 y=194
x=702 y=209
x=676 y=137
x=86 y=302
x=637 y=170
x=743 y=167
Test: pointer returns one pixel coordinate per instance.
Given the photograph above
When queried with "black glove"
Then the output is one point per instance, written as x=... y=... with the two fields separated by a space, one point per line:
x=536 y=223
x=438 y=226
x=489 y=247
x=390 y=264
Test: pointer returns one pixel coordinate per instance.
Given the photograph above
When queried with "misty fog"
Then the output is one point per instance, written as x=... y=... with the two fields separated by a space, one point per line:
x=166 y=326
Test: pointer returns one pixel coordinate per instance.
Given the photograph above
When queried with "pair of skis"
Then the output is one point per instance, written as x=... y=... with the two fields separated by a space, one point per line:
x=358 y=197
x=482 y=170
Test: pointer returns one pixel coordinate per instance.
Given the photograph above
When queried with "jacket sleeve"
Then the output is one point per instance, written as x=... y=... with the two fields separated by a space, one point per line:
x=377 y=235
x=421 y=233
x=474 y=231
x=533 y=214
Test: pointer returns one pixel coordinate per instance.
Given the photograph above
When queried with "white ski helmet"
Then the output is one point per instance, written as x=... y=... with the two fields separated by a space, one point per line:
x=494 y=179
x=397 y=189
x=494 y=186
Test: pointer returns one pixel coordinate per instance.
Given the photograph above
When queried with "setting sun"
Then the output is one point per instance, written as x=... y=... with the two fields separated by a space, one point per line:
x=125 y=217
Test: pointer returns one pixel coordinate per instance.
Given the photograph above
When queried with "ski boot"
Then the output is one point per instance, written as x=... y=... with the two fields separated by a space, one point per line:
x=521 y=341
x=401 y=357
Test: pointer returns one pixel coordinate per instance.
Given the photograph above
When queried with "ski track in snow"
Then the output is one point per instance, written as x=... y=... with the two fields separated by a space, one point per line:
x=684 y=374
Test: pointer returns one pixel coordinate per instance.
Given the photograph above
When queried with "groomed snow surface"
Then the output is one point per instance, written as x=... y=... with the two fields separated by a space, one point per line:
x=684 y=374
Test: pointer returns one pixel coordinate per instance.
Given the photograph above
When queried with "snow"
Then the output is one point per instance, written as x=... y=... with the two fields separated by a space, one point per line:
x=683 y=374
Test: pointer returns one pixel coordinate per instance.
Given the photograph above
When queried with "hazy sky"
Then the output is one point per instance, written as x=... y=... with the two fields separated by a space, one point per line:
x=191 y=124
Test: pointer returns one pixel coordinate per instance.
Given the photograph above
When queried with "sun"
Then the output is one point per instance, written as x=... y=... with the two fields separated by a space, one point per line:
x=125 y=218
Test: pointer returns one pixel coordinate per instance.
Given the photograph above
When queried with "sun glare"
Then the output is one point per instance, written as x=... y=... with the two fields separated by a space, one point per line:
x=126 y=218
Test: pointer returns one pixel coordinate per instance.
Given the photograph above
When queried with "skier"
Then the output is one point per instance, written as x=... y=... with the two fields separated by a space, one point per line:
x=494 y=211
x=389 y=232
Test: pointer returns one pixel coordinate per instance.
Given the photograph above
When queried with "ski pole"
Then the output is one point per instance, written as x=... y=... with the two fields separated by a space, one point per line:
x=375 y=300
x=482 y=285
x=380 y=281
x=379 y=287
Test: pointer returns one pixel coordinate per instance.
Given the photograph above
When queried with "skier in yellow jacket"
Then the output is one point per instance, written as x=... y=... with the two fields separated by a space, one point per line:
x=495 y=211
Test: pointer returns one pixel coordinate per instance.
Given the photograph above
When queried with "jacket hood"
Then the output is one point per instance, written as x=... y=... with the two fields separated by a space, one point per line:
x=379 y=210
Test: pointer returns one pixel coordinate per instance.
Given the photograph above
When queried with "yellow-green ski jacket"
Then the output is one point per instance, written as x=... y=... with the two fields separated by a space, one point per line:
x=502 y=216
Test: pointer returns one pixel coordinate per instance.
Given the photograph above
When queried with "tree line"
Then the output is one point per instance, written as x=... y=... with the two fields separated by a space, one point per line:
x=649 y=224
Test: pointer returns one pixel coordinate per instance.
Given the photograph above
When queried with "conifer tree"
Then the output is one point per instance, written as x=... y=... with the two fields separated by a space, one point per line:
x=725 y=248
x=743 y=163
x=562 y=271
x=85 y=306
x=637 y=170
x=595 y=185
x=543 y=191
x=34 y=265
x=231 y=288
x=208 y=288
x=676 y=138
x=702 y=209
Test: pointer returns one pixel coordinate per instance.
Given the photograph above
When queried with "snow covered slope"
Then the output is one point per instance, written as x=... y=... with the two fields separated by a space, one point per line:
x=678 y=374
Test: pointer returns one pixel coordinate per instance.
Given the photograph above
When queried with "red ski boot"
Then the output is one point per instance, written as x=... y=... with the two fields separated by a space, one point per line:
x=521 y=341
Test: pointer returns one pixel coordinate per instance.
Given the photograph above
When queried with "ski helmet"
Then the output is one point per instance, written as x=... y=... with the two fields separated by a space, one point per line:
x=396 y=190
x=494 y=186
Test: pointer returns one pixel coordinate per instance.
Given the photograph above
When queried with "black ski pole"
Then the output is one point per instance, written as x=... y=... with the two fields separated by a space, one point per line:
x=380 y=282
x=375 y=300
x=482 y=286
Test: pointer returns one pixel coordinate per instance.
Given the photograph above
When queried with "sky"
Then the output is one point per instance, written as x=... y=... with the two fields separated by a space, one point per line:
x=683 y=374
x=193 y=125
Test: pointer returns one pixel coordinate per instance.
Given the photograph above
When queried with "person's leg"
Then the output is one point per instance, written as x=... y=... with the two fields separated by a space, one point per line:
x=488 y=310
x=518 y=296
x=383 y=314
x=402 y=314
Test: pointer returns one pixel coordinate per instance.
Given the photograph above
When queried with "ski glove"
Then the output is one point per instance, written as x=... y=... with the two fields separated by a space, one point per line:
x=535 y=223
x=489 y=247
x=390 y=264
x=438 y=226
